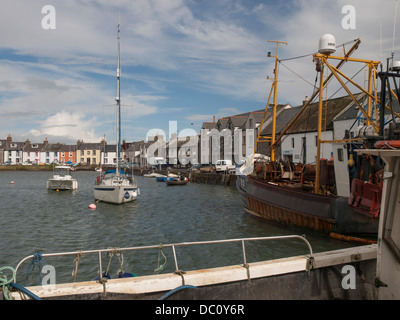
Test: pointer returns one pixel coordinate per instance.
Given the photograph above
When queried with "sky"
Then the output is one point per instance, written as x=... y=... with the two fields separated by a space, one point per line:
x=181 y=60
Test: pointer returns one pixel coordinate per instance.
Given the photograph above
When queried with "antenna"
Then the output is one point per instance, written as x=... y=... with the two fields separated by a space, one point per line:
x=394 y=28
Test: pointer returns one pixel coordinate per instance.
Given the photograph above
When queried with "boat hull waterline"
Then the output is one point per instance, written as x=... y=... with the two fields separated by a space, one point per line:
x=57 y=184
x=115 y=194
x=286 y=206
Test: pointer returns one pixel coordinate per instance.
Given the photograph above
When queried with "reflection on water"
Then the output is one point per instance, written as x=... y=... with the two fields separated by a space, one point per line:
x=37 y=220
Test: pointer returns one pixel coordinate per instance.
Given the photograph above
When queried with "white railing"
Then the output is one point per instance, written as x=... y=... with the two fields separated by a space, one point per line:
x=173 y=246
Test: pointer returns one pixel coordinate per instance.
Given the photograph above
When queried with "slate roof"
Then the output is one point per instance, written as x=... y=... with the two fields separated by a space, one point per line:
x=282 y=120
x=308 y=120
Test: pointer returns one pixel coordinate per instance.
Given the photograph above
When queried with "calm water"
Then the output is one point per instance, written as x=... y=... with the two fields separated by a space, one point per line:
x=37 y=220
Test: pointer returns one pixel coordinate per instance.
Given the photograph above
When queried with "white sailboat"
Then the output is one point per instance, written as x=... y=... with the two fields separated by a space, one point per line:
x=115 y=186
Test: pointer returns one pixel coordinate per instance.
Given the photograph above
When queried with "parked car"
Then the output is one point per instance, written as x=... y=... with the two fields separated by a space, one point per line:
x=224 y=165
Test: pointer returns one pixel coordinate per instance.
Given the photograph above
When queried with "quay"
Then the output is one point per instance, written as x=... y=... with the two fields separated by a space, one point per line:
x=193 y=176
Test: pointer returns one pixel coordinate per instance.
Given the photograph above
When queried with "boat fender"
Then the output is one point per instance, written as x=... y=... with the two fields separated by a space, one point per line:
x=92 y=206
x=127 y=195
x=126 y=275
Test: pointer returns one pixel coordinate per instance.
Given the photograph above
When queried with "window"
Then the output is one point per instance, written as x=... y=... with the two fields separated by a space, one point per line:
x=94 y=152
x=316 y=141
x=62 y=154
x=292 y=142
x=88 y=152
x=340 y=155
x=82 y=153
x=70 y=154
x=250 y=123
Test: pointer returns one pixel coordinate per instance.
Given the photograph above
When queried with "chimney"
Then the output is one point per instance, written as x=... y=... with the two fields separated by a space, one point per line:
x=305 y=100
x=213 y=119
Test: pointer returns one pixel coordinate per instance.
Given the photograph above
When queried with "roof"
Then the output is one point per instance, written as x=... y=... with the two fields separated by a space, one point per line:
x=68 y=148
x=110 y=148
x=209 y=125
x=282 y=120
x=238 y=121
x=89 y=146
x=308 y=120
x=52 y=147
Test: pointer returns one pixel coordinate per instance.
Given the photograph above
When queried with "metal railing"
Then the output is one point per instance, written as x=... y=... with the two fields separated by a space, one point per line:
x=173 y=246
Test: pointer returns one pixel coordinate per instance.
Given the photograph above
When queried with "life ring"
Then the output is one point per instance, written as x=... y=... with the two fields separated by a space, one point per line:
x=387 y=144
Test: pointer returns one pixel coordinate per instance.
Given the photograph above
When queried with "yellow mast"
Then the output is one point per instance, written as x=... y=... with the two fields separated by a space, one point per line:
x=274 y=89
x=323 y=58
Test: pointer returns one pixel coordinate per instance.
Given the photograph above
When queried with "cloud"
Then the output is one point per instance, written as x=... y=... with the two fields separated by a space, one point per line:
x=169 y=50
x=65 y=126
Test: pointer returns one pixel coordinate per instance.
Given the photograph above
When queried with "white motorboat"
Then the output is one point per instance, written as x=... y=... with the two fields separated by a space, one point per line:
x=62 y=179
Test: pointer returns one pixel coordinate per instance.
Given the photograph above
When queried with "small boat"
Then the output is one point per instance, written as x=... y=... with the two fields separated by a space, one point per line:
x=62 y=179
x=161 y=178
x=176 y=181
x=153 y=175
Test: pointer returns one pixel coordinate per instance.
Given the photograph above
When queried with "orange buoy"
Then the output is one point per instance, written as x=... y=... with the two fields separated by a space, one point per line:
x=92 y=206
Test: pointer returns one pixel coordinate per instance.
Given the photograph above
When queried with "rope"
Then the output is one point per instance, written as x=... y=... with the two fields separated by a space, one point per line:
x=36 y=260
x=111 y=254
x=160 y=252
x=79 y=255
x=5 y=283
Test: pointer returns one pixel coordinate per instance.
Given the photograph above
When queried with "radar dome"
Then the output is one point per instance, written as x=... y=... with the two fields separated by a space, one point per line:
x=327 y=44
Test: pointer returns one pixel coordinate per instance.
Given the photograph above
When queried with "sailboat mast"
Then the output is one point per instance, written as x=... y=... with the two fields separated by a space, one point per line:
x=118 y=99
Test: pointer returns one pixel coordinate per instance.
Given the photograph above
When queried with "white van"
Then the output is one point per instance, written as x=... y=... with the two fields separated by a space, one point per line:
x=224 y=165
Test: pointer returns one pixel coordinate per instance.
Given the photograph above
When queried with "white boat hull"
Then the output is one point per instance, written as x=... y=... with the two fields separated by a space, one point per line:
x=62 y=184
x=115 y=194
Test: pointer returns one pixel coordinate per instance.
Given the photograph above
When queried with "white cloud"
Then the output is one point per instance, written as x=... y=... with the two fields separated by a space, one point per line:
x=208 y=47
x=66 y=126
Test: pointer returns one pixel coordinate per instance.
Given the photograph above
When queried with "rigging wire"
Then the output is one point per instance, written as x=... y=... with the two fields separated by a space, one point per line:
x=297 y=74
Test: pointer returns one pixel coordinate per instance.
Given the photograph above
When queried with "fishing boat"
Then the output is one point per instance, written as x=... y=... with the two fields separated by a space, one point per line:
x=306 y=195
x=62 y=179
x=115 y=186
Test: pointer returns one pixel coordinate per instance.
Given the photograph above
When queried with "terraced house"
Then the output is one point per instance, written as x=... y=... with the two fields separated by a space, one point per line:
x=89 y=153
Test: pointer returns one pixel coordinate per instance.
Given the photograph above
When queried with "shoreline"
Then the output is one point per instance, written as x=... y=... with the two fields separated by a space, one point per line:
x=20 y=167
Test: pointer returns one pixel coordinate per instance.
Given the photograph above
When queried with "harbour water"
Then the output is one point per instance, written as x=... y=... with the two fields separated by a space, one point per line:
x=34 y=220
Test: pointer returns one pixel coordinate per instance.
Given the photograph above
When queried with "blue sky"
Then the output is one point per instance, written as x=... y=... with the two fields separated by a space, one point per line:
x=183 y=61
